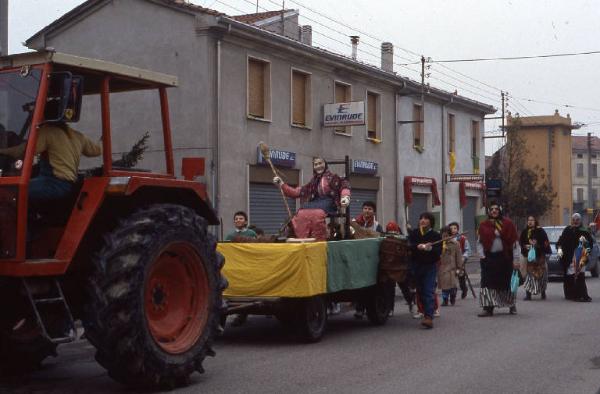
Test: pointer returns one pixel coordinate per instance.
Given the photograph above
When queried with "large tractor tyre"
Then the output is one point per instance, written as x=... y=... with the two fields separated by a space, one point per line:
x=312 y=319
x=155 y=297
x=22 y=345
x=379 y=303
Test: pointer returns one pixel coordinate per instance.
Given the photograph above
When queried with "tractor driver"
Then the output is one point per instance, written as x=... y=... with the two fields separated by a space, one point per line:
x=60 y=148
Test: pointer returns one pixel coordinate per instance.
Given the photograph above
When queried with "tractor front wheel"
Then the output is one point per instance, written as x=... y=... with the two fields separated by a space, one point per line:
x=155 y=297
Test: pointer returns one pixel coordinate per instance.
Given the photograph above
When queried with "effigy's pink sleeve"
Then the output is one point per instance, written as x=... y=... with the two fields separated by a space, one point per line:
x=289 y=191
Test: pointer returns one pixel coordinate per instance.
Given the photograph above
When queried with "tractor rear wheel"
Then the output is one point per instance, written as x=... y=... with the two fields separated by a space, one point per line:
x=155 y=297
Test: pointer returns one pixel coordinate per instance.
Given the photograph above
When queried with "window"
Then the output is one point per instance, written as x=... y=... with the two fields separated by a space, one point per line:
x=373 y=116
x=451 y=134
x=259 y=89
x=301 y=99
x=594 y=156
x=475 y=139
x=594 y=170
x=418 y=137
x=580 y=156
x=579 y=194
x=342 y=94
x=594 y=198
x=580 y=170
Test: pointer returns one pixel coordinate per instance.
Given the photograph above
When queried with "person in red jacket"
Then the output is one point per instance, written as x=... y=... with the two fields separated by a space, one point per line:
x=500 y=253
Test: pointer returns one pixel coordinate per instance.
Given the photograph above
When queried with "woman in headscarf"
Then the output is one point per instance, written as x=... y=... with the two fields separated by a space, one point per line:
x=535 y=238
x=574 y=246
x=326 y=192
x=497 y=245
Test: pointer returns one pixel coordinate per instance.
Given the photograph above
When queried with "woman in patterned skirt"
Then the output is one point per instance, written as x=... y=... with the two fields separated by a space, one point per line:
x=534 y=237
x=499 y=250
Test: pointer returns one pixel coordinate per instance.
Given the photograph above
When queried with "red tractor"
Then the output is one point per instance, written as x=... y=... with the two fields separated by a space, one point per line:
x=128 y=253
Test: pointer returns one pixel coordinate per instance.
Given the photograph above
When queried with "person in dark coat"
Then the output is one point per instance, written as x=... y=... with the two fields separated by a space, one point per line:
x=497 y=245
x=536 y=279
x=572 y=261
x=425 y=257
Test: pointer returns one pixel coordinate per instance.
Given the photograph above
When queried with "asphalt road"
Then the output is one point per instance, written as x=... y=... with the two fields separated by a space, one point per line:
x=551 y=346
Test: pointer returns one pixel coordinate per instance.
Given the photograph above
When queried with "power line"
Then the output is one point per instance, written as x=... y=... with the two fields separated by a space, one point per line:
x=487 y=59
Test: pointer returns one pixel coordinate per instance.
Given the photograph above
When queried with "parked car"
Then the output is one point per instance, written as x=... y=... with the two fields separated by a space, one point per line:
x=554 y=266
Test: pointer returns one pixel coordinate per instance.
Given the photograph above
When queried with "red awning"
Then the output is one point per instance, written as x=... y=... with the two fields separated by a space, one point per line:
x=462 y=189
x=410 y=181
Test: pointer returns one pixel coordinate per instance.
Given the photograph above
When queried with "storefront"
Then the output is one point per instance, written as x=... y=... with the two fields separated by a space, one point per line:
x=420 y=195
x=364 y=183
x=266 y=209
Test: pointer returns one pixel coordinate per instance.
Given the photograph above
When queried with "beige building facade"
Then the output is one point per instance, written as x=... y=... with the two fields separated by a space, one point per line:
x=548 y=140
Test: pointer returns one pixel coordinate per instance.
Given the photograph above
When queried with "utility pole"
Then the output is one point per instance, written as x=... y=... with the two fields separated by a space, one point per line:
x=257 y=6
x=502 y=97
x=590 y=204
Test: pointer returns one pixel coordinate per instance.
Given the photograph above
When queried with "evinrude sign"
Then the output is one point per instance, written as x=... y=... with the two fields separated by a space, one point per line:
x=344 y=114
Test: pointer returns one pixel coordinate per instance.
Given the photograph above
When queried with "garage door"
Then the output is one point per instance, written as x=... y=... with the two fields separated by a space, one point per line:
x=358 y=197
x=469 y=222
x=267 y=210
x=419 y=205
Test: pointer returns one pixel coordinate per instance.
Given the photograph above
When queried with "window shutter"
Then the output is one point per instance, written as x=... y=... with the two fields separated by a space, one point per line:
x=298 y=98
x=256 y=88
x=417 y=127
x=372 y=114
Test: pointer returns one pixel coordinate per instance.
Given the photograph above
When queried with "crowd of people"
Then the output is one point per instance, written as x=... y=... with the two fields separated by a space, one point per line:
x=438 y=259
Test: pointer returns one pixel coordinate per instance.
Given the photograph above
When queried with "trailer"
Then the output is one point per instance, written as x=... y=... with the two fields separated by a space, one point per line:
x=295 y=282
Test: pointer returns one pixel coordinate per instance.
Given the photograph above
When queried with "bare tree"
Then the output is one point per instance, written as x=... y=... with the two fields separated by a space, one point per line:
x=525 y=190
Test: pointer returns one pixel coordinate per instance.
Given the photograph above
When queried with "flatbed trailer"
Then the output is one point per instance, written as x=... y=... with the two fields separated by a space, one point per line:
x=295 y=282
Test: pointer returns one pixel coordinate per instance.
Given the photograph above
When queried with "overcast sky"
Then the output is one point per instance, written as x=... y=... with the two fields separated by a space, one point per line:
x=442 y=30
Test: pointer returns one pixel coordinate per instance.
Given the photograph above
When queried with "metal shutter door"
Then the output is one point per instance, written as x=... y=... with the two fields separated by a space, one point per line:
x=358 y=197
x=469 y=217
x=418 y=206
x=267 y=210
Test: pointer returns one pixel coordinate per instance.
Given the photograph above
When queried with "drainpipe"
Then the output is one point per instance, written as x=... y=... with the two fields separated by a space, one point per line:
x=399 y=183
x=444 y=159
x=216 y=166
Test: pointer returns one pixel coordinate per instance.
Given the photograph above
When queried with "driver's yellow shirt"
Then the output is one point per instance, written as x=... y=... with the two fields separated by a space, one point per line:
x=64 y=147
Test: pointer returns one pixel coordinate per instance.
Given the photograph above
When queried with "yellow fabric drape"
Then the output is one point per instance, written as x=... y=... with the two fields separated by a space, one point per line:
x=452 y=157
x=275 y=270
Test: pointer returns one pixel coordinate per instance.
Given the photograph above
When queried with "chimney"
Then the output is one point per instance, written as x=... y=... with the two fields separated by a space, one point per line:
x=306 y=35
x=354 y=40
x=3 y=27
x=387 y=56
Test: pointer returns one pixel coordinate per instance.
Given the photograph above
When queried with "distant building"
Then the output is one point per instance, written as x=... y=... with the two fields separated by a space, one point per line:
x=548 y=140
x=582 y=174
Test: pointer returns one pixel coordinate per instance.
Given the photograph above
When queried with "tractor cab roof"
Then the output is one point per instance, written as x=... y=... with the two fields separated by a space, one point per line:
x=124 y=78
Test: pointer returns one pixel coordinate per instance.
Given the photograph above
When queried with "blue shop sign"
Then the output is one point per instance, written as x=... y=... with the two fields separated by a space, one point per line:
x=279 y=158
x=364 y=167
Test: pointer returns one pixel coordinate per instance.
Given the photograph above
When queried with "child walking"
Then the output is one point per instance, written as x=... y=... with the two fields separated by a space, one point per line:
x=451 y=265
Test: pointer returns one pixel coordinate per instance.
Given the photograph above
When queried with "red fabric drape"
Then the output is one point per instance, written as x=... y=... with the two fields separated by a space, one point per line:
x=409 y=181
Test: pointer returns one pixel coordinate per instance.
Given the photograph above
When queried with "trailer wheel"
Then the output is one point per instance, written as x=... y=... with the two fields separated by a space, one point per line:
x=312 y=319
x=155 y=297
x=379 y=303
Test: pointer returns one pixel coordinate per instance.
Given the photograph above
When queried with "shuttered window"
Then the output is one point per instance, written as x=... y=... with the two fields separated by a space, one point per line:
x=343 y=94
x=300 y=93
x=373 y=120
x=259 y=89
x=418 y=126
x=475 y=138
x=451 y=134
